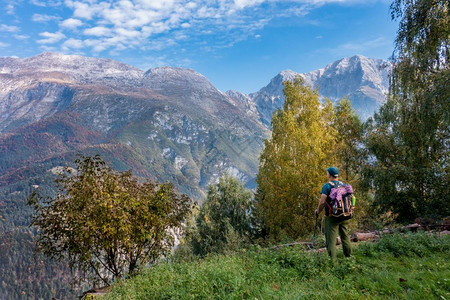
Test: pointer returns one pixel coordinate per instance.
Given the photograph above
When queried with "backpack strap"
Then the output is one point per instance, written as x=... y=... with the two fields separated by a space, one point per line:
x=329 y=208
x=328 y=197
x=336 y=185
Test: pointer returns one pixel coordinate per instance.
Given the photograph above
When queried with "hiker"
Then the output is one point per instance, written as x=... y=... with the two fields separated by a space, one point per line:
x=333 y=225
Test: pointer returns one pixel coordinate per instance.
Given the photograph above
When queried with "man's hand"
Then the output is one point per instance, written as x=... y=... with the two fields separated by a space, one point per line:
x=317 y=212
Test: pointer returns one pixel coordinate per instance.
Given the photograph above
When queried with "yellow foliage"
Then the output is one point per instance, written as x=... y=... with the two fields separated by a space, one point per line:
x=293 y=161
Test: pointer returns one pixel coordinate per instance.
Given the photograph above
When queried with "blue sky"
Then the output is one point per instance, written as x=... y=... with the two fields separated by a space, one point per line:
x=237 y=44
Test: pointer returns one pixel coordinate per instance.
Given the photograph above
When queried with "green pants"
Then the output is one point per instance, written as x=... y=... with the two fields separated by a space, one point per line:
x=332 y=228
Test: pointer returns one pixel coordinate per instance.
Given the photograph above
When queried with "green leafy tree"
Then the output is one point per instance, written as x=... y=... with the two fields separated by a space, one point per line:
x=293 y=162
x=106 y=223
x=409 y=137
x=225 y=219
x=351 y=159
x=349 y=136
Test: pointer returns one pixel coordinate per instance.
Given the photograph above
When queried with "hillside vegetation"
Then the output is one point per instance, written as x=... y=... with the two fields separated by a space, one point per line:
x=412 y=266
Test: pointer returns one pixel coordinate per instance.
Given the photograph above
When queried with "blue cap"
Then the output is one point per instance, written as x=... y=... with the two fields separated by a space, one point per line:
x=333 y=171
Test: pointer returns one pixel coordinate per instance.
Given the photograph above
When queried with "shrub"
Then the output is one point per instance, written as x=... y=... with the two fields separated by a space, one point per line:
x=106 y=223
x=225 y=218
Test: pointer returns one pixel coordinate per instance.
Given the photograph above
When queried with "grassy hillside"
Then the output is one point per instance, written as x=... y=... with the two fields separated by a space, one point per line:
x=414 y=266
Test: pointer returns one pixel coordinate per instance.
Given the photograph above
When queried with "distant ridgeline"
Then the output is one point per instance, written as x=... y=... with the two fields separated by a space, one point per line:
x=167 y=124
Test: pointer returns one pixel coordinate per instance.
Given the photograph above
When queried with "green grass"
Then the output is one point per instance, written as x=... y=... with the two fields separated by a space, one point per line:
x=413 y=266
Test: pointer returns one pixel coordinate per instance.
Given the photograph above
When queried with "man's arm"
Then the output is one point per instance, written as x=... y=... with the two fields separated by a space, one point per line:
x=323 y=199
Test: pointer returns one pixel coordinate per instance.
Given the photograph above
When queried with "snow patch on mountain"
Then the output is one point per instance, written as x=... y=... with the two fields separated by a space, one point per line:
x=167 y=152
x=180 y=162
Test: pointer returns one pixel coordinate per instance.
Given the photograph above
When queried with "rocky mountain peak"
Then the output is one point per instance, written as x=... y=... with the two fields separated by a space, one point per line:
x=363 y=80
x=175 y=76
x=186 y=83
x=171 y=71
x=350 y=76
x=367 y=67
x=275 y=87
x=287 y=75
x=79 y=69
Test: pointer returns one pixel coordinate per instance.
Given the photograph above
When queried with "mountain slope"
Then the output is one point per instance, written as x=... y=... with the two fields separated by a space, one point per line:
x=178 y=124
x=37 y=87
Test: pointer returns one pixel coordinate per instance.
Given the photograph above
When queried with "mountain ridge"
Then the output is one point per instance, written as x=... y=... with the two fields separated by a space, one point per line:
x=111 y=97
x=170 y=124
x=363 y=80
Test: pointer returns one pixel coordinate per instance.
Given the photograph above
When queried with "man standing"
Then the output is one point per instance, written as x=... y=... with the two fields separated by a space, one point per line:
x=333 y=225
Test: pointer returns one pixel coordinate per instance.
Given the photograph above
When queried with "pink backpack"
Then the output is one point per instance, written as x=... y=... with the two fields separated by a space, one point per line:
x=342 y=200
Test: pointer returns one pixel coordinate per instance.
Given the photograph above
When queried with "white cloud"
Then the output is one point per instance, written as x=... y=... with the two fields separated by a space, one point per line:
x=157 y=4
x=7 y=28
x=148 y=62
x=46 y=3
x=3 y=45
x=122 y=24
x=72 y=44
x=355 y=47
x=159 y=44
x=9 y=8
x=46 y=48
x=86 y=10
x=71 y=23
x=361 y=47
x=37 y=3
x=98 y=31
x=246 y=3
x=51 y=38
x=43 y=18
x=21 y=36
x=128 y=33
